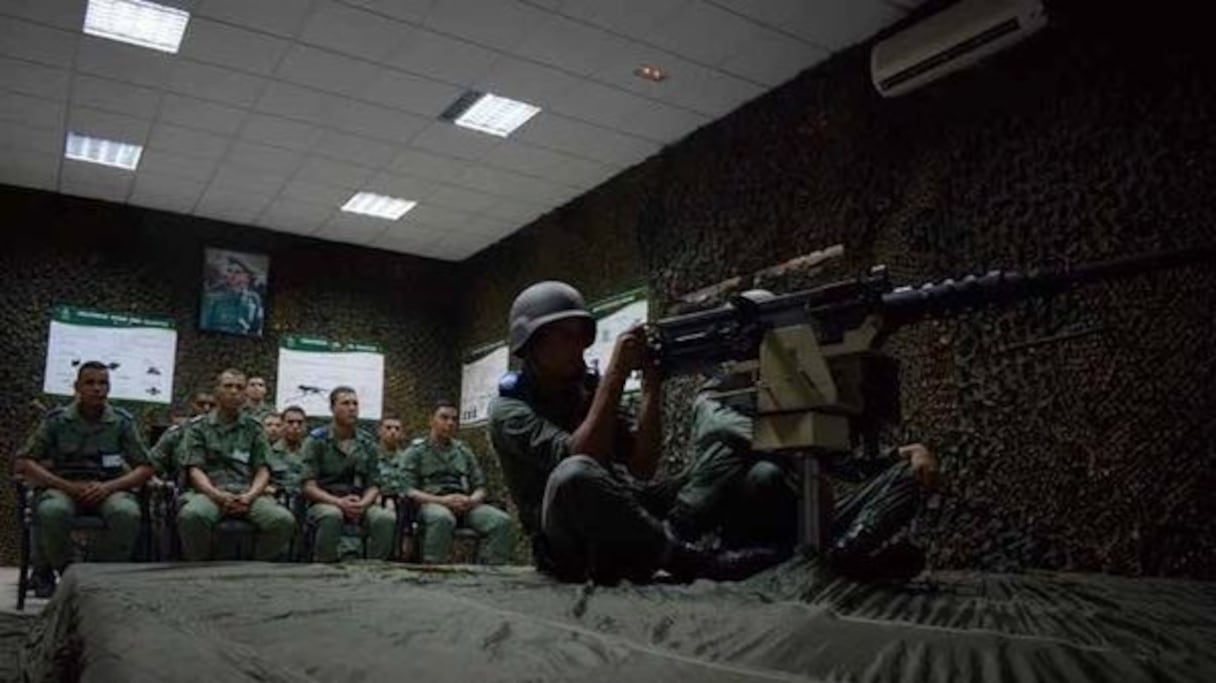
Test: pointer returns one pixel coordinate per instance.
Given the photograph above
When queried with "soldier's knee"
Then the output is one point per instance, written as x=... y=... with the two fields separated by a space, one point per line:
x=53 y=512
x=764 y=477
x=438 y=517
x=282 y=520
x=575 y=471
x=323 y=513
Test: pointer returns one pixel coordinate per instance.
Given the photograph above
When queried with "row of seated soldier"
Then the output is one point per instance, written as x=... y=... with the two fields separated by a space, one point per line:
x=235 y=465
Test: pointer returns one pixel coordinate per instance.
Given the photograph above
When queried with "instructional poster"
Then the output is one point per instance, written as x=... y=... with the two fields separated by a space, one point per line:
x=138 y=350
x=614 y=316
x=479 y=377
x=310 y=368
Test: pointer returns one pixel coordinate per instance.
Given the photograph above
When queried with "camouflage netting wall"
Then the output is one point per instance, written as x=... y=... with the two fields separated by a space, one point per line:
x=65 y=250
x=1077 y=432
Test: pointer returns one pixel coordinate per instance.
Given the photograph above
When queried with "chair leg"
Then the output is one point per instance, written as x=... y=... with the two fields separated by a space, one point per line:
x=23 y=574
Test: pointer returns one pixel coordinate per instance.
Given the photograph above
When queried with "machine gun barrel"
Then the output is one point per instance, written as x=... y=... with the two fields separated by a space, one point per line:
x=692 y=342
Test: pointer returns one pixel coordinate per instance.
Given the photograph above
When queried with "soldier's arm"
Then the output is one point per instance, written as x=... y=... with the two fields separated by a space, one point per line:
x=371 y=466
x=194 y=458
x=516 y=430
x=30 y=461
x=308 y=475
x=259 y=461
x=136 y=456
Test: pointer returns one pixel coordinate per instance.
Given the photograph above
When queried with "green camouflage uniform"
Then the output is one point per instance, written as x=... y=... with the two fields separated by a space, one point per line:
x=440 y=469
x=230 y=454
x=79 y=449
x=342 y=473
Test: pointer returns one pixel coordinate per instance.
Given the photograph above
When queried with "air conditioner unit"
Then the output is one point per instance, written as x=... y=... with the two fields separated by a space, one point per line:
x=952 y=39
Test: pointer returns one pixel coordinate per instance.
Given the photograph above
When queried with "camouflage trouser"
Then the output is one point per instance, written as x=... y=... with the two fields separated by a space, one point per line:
x=493 y=527
x=752 y=498
x=54 y=511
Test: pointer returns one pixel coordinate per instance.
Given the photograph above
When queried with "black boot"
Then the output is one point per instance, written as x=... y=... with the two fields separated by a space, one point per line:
x=43 y=580
x=687 y=562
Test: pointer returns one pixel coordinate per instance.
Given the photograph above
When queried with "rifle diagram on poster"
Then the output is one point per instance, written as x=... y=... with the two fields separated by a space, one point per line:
x=311 y=367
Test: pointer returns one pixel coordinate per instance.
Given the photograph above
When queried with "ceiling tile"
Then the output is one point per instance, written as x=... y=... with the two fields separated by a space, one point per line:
x=413 y=11
x=532 y=83
x=298 y=189
x=294 y=102
x=509 y=184
x=17 y=136
x=372 y=120
x=352 y=228
x=631 y=17
x=63 y=14
x=166 y=193
x=33 y=111
x=194 y=113
x=227 y=45
x=215 y=83
x=123 y=62
x=354 y=31
x=187 y=141
x=446 y=139
x=36 y=43
x=428 y=165
x=302 y=218
x=415 y=94
x=499 y=24
x=585 y=140
x=326 y=71
x=570 y=45
x=515 y=210
x=264 y=157
x=356 y=149
x=232 y=207
x=459 y=198
x=703 y=33
x=444 y=58
x=438 y=216
x=772 y=58
x=341 y=174
x=98 y=182
x=688 y=85
x=115 y=96
x=232 y=179
x=102 y=124
x=400 y=186
x=33 y=79
x=25 y=168
x=832 y=24
x=280 y=17
x=156 y=162
x=663 y=122
x=280 y=132
x=404 y=242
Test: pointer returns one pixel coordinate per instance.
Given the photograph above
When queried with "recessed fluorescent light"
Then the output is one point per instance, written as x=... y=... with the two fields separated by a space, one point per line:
x=137 y=22
x=378 y=205
x=105 y=152
x=490 y=113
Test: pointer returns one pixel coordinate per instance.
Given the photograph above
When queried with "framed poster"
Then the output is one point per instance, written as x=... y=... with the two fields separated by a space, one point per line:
x=483 y=367
x=311 y=367
x=138 y=350
x=233 y=292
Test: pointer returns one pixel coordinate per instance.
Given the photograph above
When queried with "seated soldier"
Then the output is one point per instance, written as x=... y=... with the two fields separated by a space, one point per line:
x=442 y=476
x=165 y=455
x=255 y=397
x=272 y=424
x=287 y=454
x=341 y=478
x=225 y=453
x=86 y=456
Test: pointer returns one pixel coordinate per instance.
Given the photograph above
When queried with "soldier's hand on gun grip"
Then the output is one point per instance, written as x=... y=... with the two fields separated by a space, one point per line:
x=923 y=464
x=631 y=352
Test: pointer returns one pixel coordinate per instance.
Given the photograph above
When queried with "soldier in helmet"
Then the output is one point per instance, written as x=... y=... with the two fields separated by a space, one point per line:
x=579 y=474
x=235 y=307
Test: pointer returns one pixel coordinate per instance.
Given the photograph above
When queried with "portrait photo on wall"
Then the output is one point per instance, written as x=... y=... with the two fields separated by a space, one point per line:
x=234 y=292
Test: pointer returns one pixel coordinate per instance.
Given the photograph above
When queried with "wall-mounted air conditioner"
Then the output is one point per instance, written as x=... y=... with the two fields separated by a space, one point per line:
x=952 y=39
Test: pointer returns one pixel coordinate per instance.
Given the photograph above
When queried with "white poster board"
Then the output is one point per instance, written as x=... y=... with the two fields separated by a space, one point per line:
x=479 y=382
x=310 y=368
x=138 y=350
x=614 y=316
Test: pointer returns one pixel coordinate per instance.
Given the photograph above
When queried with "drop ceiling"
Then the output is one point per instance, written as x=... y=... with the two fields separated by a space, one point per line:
x=275 y=112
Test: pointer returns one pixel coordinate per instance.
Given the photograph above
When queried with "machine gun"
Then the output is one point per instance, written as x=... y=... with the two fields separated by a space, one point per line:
x=819 y=382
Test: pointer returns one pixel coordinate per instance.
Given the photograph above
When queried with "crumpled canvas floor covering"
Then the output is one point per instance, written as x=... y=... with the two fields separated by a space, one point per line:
x=384 y=622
